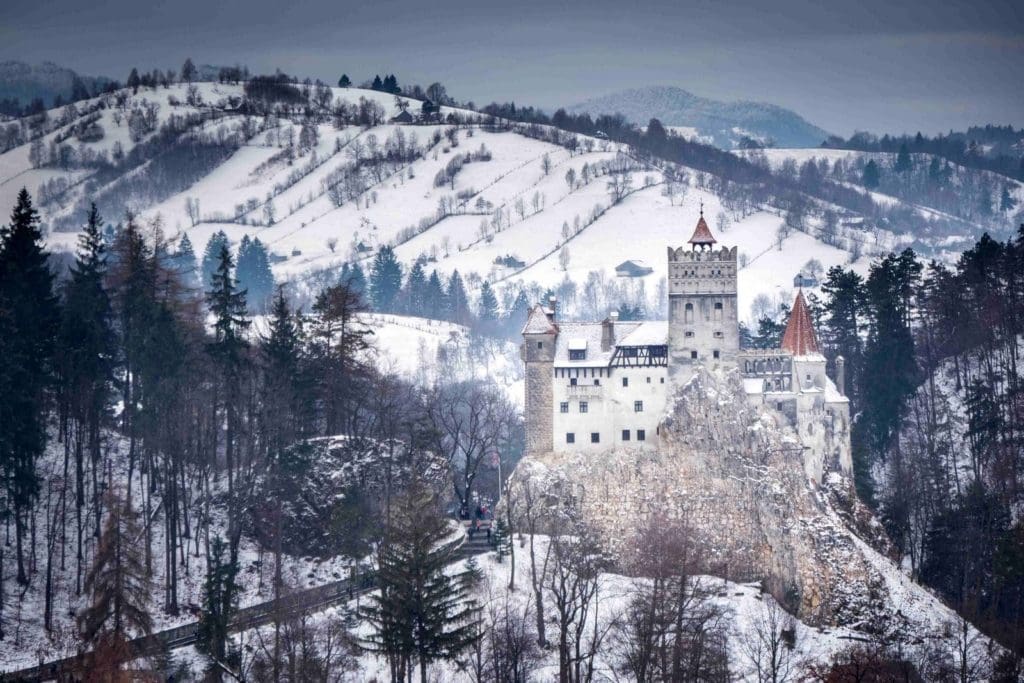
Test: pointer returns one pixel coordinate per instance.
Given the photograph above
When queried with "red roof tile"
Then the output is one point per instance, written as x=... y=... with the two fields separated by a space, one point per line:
x=799 y=338
x=702 y=234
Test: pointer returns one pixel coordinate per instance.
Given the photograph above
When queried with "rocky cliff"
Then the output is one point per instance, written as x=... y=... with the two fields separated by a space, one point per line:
x=733 y=474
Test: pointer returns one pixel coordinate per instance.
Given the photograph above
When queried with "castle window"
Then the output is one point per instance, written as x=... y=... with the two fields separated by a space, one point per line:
x=572 y=381
x=718 y=334
x=583 y=406
x=689 y=333
x=638 y=406
x=641 y=435
x=570 y=438
x=578 y=354
x=693 y=355
x=625 y=381
x=540 y=345
x=563 y=407
x=718 y=310
x=648 y=380
x=688 y=315
x=625 y=435
x=597 y=382
x=715 y=353
x=595 y=437
x=662 y=380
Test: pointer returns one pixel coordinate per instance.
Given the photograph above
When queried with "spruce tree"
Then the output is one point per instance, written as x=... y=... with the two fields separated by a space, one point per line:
x=385 y=280
x=344 y=81
x=28 y=329
x=488 y=304
x=227 y=305
x=433 y=300
x=211 y=257
x=87 y=346
x=254 y=274
x=456 y=301
x=501 y=539
x=871 y=176
x=220 y=600
x=416 y=290
x=903 y=161
x=185 y=264
x=422 y=613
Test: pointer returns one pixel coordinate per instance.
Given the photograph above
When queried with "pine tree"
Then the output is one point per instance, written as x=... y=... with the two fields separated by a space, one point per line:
x=344 y=81
x=220 y=600
x=434 y=300
x=354 y=279
x=338 y=344
x=377 y=84
x=488 y=313
x=185 y=264
x=279 y=352
x=456 y=301
x=416 y=290
x=227 y=305
x=119 y=588
x=903 y=161
x=133 y=80
x=87 y=346
x=211 y=256
x=422 y=613
x=385 y=280
x=501 y=539
x=254 y=274
x=28 y=329
x=871 y=176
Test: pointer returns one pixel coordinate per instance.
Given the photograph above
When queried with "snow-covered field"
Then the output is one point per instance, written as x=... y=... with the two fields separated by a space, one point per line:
x=507 y=206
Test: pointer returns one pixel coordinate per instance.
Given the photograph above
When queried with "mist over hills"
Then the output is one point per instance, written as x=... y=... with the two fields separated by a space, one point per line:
x=25 y=82
x=722 y=123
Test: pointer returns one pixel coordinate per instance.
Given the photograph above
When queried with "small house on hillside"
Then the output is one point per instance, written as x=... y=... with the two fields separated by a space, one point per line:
x=403 y=117
x=633 y=268
x=805 y=280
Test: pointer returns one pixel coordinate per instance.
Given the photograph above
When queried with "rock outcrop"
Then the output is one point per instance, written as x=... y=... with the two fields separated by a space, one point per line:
x=734 y=474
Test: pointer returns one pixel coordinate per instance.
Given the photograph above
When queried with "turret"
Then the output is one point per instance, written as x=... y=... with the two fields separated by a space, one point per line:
x=538 y=353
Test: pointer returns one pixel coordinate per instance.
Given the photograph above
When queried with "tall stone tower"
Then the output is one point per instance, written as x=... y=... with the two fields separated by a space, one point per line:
x=538 y=354
x=703 y=326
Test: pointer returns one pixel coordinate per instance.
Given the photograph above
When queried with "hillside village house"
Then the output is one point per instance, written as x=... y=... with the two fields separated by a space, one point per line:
x=593 y=386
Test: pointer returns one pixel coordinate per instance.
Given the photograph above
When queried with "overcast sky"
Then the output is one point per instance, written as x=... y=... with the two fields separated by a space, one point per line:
x=880 y=65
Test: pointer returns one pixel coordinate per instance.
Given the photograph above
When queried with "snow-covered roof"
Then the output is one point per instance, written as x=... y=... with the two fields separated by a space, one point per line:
x=648 y=333
x=579 y=336
x=538 y=322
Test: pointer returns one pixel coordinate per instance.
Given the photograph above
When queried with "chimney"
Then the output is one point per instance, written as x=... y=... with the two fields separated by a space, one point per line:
x=608 y=331
x=841 y=375
x=552 y=308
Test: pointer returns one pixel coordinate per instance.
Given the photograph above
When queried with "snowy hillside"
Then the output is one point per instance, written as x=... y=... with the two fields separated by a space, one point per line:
x=724 y=123
x=489 y=201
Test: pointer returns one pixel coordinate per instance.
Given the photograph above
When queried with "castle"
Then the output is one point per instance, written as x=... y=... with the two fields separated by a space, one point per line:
x=594 y=386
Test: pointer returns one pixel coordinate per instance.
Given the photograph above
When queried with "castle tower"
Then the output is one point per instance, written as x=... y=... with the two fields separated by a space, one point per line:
x=538 y=354
x=800 y=340
x=703 y=325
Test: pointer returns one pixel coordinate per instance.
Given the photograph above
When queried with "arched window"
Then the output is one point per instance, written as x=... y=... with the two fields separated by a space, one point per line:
x=688 y=317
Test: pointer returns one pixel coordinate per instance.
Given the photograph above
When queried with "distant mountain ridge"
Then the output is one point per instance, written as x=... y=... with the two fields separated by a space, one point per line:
x=723 y=123
x=25 y=82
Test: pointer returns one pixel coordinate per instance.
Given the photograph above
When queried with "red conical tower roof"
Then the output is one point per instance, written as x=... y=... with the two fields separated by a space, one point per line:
x=799 y=338
x=702 y=234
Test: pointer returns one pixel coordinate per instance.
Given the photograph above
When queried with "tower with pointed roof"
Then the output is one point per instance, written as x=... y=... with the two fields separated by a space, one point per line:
x=703 y=319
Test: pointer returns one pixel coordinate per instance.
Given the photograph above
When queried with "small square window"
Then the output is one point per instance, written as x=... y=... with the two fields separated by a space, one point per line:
x=540 y=345
x=572 y=381
x=570 y=438
x=648 y=380
x=689 y=333
x=625 y=381
x=597 y=382
x=693 y=355
x=638 y=406
x=625 y=435
x=563 y=407
x=577 y=354
x=583 y=406
x=662 y=380
x=715 y=353
x=641 y=435
x=718 y=305
x=595 y=437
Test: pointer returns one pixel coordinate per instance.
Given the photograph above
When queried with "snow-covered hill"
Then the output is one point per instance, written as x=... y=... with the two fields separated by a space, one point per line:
x=493 y=202
x=724 y=123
